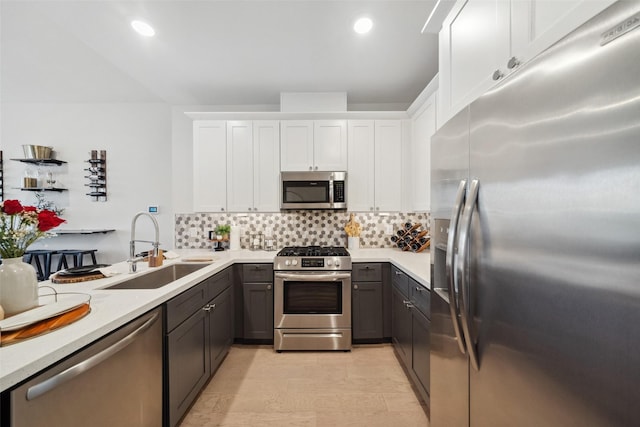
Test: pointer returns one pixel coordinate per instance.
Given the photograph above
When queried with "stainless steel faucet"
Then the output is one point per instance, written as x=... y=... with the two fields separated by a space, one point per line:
x=132 y=243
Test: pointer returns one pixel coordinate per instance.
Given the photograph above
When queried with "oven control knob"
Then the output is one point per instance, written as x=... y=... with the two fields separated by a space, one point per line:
x=287 y=262
x=337 y=263
x=294 y=262
x=329 y=262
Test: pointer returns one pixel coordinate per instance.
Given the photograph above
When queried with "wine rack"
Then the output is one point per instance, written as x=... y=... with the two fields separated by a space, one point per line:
x=412 y=237
x=97 y=175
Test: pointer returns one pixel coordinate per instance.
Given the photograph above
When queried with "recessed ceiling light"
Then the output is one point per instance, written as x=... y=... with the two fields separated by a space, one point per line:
x=143 y=28
x=363 y=25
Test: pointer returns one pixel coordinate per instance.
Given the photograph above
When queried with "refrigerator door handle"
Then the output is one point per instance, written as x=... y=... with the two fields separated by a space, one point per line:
x=462 y=269
x=452 y=276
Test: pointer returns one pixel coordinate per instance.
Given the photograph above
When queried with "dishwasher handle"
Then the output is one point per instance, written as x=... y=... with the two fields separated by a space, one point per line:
x=72 y=372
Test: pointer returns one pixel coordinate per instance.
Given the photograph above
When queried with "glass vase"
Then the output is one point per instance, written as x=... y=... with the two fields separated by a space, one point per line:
x=18 y=286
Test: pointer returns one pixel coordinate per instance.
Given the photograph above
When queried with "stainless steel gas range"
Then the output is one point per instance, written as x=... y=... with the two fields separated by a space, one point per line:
x=312 y=298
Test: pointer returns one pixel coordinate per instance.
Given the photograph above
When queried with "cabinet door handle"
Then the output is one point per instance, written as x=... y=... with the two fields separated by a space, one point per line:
x=316 y=168
x=513 y=63
x=310 y=168
x=249 y=209
x=419 y=289
x=355 y=287
x=207 y=308
x=222 y=209
x=398 y=273
x=497 y=75
x=371 y=208
x=377 y=208
x=268 y=287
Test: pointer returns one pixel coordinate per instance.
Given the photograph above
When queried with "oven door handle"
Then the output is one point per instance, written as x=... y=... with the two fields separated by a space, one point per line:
x=313 y=277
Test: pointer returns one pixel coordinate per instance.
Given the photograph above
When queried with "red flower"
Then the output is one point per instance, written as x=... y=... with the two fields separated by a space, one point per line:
x=48 y=220
x=30 y=208
x=11 y=207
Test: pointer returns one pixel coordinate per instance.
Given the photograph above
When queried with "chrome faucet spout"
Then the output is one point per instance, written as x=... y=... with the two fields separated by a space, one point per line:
x=132 y=243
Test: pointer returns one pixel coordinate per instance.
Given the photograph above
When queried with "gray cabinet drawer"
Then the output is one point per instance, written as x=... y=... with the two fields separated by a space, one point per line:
x=257 y=272
x=400 y=281
x=421 y=297
x=366 y=272
x=218 y=282
x=185 y=304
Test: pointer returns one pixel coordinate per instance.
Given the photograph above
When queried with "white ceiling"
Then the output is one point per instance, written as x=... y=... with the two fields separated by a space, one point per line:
x=214 y=52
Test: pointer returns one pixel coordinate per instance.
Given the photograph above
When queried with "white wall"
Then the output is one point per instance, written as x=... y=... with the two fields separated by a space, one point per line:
x=137 y=138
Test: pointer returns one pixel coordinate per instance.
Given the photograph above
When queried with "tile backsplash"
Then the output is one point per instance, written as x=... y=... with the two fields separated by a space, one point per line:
x=294 y=228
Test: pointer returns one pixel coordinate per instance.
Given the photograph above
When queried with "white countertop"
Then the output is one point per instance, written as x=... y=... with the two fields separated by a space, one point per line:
x=112 y=308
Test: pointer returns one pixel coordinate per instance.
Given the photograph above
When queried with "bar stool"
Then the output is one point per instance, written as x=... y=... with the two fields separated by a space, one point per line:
x=42 y=260
x=78 y=255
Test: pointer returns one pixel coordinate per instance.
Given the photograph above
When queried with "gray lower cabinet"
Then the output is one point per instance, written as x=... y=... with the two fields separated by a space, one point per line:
x=199 y=332
x=410 y=328
x=257 y=297
x=367 y=308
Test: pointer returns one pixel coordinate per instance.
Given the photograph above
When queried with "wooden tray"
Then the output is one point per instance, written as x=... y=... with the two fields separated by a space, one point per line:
x=44 y=326
x=61 y=280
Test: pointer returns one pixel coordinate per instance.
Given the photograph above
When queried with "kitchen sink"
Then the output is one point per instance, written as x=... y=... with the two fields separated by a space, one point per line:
x=158 y=278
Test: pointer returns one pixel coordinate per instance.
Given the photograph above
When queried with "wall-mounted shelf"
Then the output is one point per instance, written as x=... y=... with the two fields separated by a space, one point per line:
x=41 y=161
x=97 y=175
x=44 y=189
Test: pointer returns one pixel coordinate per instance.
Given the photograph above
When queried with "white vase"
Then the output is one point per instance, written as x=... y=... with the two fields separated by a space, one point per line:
x=18 y=286
x=353 y=242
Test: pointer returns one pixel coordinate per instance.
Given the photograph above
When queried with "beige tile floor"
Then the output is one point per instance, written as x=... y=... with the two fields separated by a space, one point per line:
x=255 y=386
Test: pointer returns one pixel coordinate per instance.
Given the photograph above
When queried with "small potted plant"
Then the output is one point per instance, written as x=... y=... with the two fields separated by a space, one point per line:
x=222 y=232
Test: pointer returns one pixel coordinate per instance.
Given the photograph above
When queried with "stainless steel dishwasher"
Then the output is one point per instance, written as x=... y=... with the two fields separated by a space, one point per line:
x=116 y=381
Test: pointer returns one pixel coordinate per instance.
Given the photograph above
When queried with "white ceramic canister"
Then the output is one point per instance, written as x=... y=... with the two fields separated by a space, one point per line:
x=353 y=242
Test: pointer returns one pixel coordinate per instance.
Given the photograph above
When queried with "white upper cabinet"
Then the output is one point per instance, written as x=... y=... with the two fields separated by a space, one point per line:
x=313 y=145
x=374 y=172
x=240 y=166
x=330 y=145
x=537 y=24
x=266 y=166
x=209 y=165
x=253 y=161
x=423 y=127
x=361 y=168
x=296 y=145
x=388 y=163
x=472 y=43
x=482 y=41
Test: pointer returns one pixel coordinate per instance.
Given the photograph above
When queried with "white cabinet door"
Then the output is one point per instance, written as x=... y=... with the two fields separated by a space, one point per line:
x=388 y=165
x=537 y=24
x=240 y=166
x=330 y=145
x=424 y=126
x=473 y=44
x=361 y=165
x=482 y=41
x=209 y=166
x=296 y=145
x=266 y=166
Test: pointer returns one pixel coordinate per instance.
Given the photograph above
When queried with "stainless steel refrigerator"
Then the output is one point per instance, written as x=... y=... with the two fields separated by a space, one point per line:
x=536 y=240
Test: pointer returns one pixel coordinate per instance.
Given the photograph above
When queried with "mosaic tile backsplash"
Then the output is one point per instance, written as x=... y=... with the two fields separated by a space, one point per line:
x=295 y=228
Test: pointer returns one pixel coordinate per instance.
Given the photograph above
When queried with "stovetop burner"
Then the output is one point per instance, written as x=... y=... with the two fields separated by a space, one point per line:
x=312 y=258
x=316 y=251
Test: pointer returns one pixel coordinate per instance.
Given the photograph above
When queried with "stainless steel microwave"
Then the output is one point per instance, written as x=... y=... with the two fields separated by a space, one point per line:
x=313 y=190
